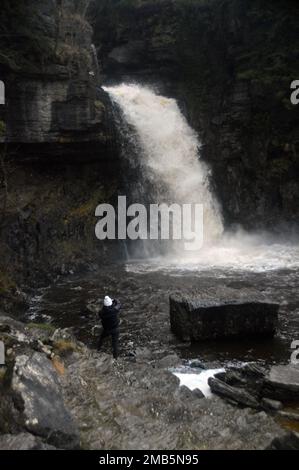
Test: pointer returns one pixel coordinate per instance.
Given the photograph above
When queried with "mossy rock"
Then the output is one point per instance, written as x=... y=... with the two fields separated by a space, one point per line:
x=45 y=327
x=64 y=347
x=99 y=106
x=87 y=208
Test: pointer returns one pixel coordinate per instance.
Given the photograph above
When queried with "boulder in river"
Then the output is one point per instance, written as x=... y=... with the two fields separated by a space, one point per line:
x=198 y=317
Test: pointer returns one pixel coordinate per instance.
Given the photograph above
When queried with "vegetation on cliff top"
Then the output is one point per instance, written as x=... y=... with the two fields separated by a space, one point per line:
x=22 y=41
x=35 y=34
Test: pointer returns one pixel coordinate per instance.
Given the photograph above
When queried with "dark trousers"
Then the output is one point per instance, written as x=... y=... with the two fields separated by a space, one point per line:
x=114 y=337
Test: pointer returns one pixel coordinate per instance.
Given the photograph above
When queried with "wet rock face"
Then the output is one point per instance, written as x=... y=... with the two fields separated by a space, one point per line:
x=200 y=319
x=36 y=383
x=60 y=144
x=288 y=442
x=22 y=441
x=54 y=110
x=50 y=229
x=282 y=382
x=54 y=99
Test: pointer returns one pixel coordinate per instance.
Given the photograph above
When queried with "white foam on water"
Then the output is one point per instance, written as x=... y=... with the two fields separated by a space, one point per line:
x=227 y=255
x=198 y=380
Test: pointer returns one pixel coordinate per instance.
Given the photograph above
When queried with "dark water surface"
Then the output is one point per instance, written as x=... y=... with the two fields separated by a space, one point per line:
x=145 y=317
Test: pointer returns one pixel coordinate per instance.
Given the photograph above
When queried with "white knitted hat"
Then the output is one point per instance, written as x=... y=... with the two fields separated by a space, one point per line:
x=107 y=301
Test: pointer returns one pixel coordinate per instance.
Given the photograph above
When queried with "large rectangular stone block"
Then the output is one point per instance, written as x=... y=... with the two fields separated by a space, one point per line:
x=196 y=318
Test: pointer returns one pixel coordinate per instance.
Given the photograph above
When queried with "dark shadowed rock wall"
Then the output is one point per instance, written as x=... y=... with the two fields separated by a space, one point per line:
x=59 y=159
x=230 y=63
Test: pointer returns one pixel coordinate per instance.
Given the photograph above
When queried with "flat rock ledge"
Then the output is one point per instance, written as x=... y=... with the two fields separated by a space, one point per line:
x=282 y=383
x=210 y=315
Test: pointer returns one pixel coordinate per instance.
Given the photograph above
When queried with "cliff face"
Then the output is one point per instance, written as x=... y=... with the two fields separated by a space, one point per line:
x=52 y=97
x=230 y=65
x=59 y=160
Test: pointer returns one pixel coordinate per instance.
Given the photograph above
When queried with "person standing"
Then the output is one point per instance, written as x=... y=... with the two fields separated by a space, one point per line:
x=109 y=315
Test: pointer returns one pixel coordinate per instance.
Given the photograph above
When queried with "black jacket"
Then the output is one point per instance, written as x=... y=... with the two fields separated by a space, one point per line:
x=110 y=316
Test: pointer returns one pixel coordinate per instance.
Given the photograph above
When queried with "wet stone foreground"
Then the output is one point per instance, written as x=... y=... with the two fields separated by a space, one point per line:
x=137 y=402
x=58 y=393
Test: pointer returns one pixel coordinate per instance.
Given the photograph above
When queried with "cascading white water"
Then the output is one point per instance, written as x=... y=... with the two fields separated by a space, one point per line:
x=169 y=152
x=169 y=156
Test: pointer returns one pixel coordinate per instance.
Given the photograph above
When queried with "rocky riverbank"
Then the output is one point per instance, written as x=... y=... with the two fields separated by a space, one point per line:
x=137 y=402
x=57 y=393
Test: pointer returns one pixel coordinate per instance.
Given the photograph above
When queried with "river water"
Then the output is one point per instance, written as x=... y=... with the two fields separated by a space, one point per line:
x=144 y=289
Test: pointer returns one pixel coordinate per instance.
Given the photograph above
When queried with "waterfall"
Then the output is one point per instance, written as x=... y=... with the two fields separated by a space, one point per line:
x=168 y=154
